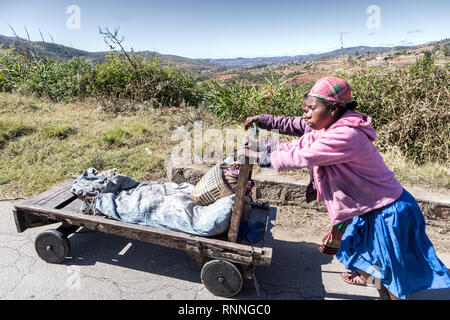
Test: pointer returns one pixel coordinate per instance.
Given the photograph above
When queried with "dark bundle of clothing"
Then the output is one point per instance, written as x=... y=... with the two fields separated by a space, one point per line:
x=90 y=184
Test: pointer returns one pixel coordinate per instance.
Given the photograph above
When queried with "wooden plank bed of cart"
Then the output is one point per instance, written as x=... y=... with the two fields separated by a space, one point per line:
x=225 y=261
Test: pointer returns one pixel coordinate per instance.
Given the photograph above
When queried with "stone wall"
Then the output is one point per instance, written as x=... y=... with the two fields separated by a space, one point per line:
x=282 y=190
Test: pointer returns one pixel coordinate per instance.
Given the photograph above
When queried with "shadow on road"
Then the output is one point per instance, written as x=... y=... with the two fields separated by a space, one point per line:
x=295 y=271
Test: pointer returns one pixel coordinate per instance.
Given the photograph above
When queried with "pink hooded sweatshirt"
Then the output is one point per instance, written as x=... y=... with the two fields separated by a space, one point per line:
x=349 y=172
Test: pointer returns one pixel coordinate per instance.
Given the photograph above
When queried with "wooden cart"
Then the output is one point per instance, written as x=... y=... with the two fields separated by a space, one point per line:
x=225 y=261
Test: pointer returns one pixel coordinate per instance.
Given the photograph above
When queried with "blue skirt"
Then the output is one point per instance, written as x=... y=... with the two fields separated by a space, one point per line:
x=391 y=245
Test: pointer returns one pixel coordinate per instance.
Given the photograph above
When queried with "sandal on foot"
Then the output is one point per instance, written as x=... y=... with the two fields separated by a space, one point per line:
x=352 y=277
x=328 y=250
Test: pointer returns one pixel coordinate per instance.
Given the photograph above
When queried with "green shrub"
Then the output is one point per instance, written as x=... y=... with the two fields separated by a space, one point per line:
x=60 y=82
x=36 y=80
x=409 y=107
x=14 y=69
x=115 y=80
x=2 y=81
x=145 y=80
x=72 y=80
x=43 y=77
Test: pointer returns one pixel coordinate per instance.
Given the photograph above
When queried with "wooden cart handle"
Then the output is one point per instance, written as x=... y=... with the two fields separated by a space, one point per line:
x=245 y=174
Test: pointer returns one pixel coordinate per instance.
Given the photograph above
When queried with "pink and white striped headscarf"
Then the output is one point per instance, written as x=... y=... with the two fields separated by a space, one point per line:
x=332 y=89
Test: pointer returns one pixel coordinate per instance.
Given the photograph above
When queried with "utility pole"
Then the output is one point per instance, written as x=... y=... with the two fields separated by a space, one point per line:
x=342 y=43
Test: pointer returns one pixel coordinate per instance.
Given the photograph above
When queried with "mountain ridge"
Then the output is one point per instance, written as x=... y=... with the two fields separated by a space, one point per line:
x=64 y=53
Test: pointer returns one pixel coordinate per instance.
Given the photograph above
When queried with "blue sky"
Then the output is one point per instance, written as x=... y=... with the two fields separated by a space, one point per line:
x=230 y=28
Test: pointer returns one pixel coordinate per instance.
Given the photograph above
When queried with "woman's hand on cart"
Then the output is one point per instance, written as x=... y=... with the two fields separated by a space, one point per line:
x=249 y=122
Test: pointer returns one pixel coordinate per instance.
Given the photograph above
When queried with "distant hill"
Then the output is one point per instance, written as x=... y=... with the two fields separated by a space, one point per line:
x=55 y=51
x=252 y=62
x=184 y=63
x=64 y=53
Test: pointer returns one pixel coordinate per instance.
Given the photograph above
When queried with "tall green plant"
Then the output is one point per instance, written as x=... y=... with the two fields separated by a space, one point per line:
x=14 y=69
x=235 y=101
x=72 y=80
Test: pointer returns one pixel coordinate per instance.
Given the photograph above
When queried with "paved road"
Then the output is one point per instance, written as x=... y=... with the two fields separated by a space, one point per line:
x=104 y=266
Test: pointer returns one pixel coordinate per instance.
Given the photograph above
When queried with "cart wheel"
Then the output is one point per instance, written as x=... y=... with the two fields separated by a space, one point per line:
x=52 y=246
x=221 y=278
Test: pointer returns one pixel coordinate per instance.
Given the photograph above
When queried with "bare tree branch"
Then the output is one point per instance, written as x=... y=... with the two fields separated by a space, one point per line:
x=112 y=38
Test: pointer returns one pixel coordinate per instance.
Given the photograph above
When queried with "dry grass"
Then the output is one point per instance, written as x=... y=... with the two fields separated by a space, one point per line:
x=430 y=175
x=68 y=138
